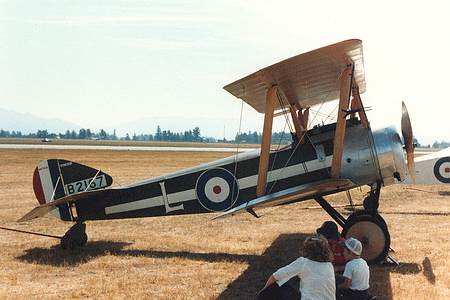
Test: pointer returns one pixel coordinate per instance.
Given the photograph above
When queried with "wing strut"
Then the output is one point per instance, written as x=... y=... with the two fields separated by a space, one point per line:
x=344 y=99
x=297 y=125
x=358 y=106
x=271 y=97
x=300 y=120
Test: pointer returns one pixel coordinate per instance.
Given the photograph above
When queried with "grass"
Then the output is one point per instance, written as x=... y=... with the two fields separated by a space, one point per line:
x=192 y=257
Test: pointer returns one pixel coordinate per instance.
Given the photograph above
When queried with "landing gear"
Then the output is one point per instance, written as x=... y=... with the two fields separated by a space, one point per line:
x=371 y=202
x=360 y=213
x=365 y=225
x=370 y=228
x=75 y=237
x=373 y=233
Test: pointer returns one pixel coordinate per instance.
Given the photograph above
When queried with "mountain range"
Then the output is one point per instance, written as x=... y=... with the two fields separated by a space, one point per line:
x=26 y=123
x=29 y=123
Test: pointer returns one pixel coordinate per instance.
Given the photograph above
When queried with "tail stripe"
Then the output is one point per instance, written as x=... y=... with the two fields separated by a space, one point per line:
x=56 y=182
x=55 y=174
x=46 y=183
x=46 y=180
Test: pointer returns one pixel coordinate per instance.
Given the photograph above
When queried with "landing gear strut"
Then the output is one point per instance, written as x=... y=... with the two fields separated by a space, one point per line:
x=75 y=237
x=366 y=225
x=371 y=202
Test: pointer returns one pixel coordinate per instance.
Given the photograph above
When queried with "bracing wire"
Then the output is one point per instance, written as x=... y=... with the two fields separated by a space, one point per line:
x=305 y=134
x=331 y=115
x=281 y=102
x=239 y=133
x=278 y=148
x=237 y=149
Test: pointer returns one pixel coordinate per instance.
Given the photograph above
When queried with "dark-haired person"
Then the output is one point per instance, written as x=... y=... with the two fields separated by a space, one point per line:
x=314 y=269
x=330 y=231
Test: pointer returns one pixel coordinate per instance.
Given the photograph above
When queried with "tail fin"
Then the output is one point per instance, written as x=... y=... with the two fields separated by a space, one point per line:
x=56 y=178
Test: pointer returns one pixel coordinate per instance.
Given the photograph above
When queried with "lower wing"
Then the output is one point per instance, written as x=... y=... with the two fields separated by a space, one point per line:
x=295 y=193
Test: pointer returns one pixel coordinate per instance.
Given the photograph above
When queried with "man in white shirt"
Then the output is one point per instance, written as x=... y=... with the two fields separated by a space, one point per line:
x=356 y=274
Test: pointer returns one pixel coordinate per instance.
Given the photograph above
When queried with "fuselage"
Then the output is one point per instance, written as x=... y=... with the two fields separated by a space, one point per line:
x=217 y=186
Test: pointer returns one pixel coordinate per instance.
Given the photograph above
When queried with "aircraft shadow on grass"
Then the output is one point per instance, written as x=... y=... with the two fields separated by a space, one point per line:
x=282 y=251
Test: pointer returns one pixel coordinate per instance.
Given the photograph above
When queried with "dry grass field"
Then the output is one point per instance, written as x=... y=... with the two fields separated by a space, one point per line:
x=192 y=257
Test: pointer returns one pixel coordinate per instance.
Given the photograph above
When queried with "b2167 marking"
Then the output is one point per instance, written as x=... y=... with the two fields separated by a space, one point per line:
x=86 y=185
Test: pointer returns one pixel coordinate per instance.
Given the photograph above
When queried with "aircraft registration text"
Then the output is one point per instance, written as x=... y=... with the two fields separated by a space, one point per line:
x=86 y=185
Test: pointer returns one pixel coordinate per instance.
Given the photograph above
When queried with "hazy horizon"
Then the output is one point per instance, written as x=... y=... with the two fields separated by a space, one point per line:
x=100 y=64
x=165 y=124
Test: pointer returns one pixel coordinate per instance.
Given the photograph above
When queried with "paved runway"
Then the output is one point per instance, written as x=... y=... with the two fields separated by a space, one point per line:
x=121 y=148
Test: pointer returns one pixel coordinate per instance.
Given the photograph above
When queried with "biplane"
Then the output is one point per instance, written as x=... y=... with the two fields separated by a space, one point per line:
x=320 y=161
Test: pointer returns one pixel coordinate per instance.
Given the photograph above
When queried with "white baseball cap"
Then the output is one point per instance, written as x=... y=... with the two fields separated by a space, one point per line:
x=353 y=245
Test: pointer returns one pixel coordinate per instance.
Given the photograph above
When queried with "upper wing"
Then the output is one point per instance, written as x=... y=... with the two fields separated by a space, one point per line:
x=44 y=209
x=299 y=192
x=306 y=79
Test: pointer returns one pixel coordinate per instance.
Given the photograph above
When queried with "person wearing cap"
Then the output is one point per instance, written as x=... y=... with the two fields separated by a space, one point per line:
x=356 y=273
x=330 y=231
x=314 y=269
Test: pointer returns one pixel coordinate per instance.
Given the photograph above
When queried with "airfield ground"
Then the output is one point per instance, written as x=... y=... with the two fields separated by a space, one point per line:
x=192 y=257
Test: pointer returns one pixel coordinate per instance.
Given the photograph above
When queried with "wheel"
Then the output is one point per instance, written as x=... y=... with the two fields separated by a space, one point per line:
x=67 y=242
x=82 y=240
x=372 y=232
x=75 y=237
x=366 y=213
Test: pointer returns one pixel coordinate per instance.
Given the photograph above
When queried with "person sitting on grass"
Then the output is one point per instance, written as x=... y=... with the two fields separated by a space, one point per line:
x=314 y=269
x=330 y=231
x=356 y=273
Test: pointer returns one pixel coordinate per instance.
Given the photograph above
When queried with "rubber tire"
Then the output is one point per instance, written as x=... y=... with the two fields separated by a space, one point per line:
x=376 y=220
x=67 y=243
x=74 y=239
x=359 y=213
x=82 y=240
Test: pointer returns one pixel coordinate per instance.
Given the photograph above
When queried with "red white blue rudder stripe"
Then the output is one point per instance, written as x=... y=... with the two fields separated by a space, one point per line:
x=217 y=189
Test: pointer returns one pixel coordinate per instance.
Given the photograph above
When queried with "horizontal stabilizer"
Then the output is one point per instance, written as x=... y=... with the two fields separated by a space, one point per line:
x=43 y=209
x=304 y=191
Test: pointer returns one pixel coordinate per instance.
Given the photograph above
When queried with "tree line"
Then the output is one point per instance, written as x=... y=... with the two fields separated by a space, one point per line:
x=69 y=134
x=256 y=137
x=191 y=135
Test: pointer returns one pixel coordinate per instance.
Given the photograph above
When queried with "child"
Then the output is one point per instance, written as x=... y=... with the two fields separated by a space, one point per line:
x=330 y=231
x=356 y=273
x=314 y=269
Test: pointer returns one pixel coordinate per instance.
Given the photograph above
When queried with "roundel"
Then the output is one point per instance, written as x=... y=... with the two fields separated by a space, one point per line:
x=217 y=189
x=442 y=169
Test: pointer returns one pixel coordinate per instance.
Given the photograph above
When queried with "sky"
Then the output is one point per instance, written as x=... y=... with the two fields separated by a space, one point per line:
x=103 y=63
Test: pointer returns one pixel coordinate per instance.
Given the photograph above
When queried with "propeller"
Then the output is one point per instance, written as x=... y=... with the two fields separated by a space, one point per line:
x=408 y=139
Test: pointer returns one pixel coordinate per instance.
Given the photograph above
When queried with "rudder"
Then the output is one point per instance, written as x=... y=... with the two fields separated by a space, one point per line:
x=56 y=178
